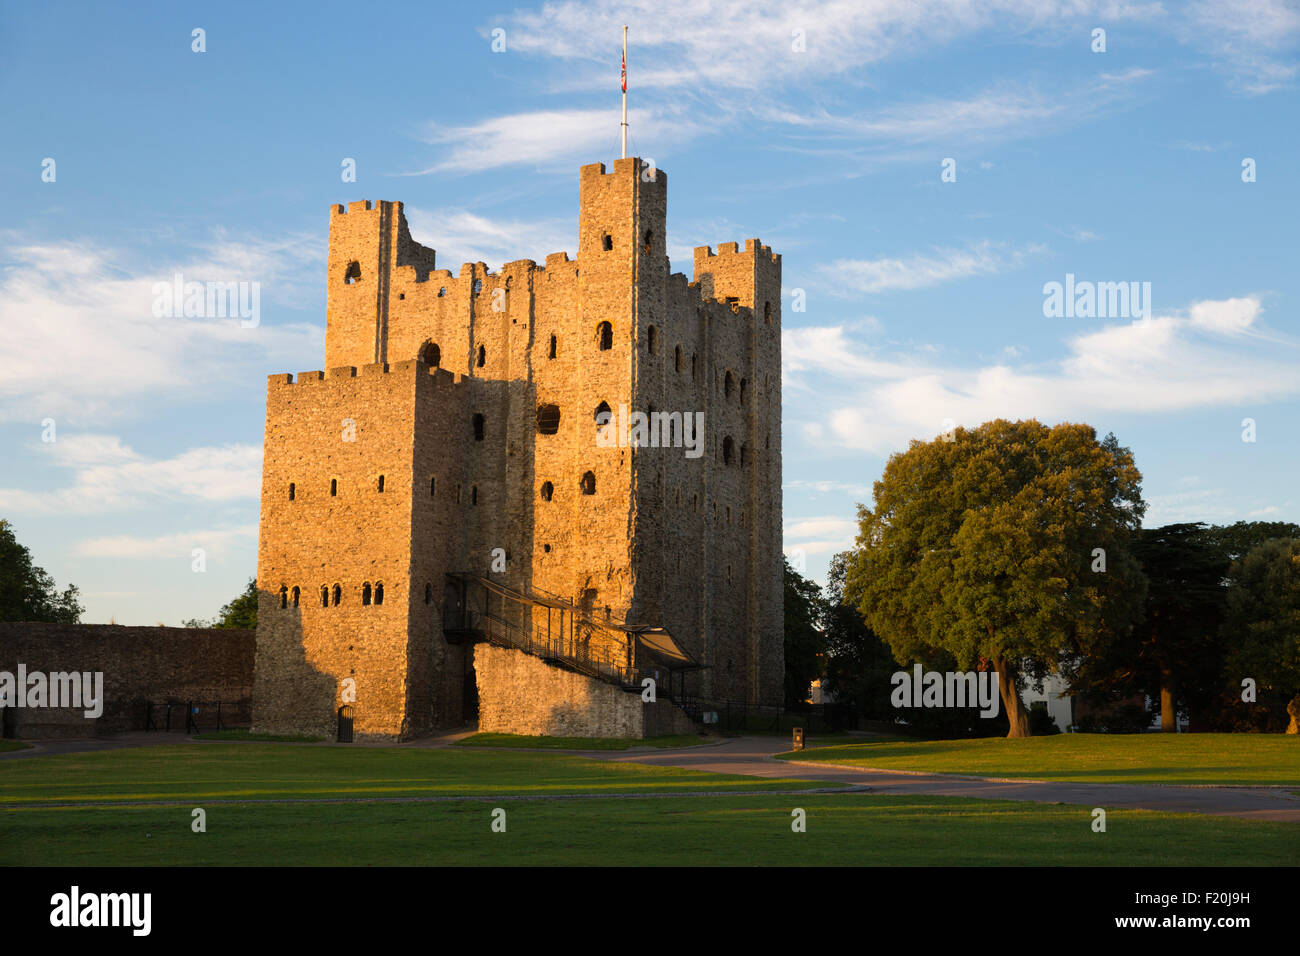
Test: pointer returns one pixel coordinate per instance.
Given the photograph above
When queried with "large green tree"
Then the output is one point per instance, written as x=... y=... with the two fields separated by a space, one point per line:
x=1005 y=545
x=27 y=592
x=1263 y=621
x=804 y=643
x=858 y=664
x=1174 y=654
x=240 y=612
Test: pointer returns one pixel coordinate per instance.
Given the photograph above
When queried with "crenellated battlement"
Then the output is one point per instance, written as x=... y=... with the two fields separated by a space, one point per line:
x=753 y=247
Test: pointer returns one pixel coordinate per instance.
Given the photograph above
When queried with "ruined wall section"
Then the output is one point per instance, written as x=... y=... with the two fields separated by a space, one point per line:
x=368 y=244
x=332 y=436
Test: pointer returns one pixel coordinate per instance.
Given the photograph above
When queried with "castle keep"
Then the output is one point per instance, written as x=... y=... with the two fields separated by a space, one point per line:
x=454 y=523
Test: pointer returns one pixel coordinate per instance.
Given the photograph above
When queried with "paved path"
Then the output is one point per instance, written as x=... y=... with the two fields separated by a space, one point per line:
x=751 y=756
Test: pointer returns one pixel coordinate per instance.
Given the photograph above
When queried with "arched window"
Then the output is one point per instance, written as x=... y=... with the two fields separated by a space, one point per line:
x=548 y=490
x=352 y=274
x=482 y=356
x=338 y=595
x=607 y=242
x=295 y=594
x=334 y=487
x=677 y=359
x=551 y=354
x=292 y=491
x=284 y=596
x=603 y=415
x=430 y=354
x=548 y=419
x=728 y=447
x=379 y=592
x=478 y=426
x=365 y=593
x=324 y=596
x=588 y=484
x=652 y=339
x=728 y=383
x=605 y=333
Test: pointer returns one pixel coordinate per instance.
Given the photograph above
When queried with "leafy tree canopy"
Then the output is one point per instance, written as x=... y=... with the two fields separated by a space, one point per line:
x=27 y=592
x=989 y=547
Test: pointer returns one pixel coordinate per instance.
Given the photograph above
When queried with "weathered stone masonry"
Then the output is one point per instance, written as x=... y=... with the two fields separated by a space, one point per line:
x=444 y=388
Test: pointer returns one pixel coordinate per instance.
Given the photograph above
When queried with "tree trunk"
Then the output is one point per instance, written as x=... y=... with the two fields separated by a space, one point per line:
x=1293 y=709
x=1017 y=716
x=1168 y=717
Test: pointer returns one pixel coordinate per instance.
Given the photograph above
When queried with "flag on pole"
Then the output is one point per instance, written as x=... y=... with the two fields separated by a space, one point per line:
x=624 y=71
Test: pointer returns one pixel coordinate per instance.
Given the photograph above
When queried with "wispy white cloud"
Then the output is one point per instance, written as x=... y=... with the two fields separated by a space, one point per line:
x=461 y=236
x=109 y=476
x=1254 y=42
x=552 y=139
x=869 y=276
x=216 y=543
x=863 y=397
x=81 y=338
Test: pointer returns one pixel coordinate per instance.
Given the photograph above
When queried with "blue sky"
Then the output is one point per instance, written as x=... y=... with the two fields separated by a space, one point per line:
x=821 y=128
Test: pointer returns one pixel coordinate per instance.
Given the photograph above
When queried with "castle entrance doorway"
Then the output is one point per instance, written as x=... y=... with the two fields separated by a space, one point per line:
x=345 y=724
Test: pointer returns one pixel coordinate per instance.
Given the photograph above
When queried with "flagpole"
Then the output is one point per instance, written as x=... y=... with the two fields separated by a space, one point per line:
x=625 y=92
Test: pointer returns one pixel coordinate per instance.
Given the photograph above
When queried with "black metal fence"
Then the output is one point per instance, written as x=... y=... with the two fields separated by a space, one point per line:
x=196 y=716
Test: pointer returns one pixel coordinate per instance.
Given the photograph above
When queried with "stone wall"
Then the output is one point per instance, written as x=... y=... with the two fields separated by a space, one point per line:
x=519 y=694
x=139 y=664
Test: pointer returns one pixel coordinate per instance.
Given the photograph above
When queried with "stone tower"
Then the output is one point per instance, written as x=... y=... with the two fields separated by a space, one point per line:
x=456 y=435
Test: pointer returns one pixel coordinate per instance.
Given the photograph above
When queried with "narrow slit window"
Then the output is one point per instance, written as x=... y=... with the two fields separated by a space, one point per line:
x=379 y=592
x=551 y=354
x=334 y=487
x=338 y=595
x=605 y=332
x=379 y=485
x=292 y=491
x=365 y=594
x=482 y=356
x=478 y=426
x=295 y=594
x=284 y=596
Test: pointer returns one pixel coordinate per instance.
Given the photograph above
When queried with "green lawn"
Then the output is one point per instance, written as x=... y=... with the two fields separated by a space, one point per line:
x=695 y=820
x=12 y=745
x=249 y=735
x=262 y=771
x=578 y=743
x=1087 y=758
